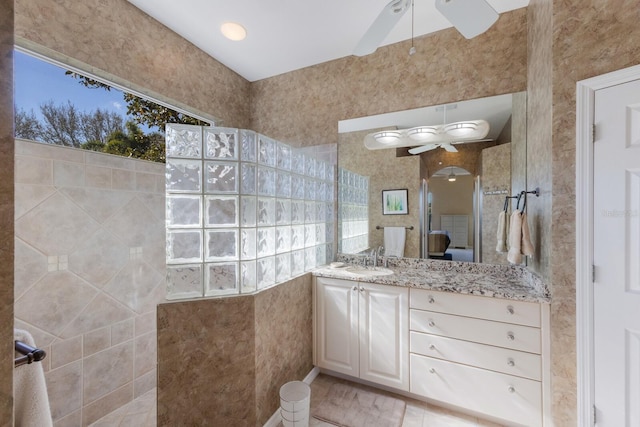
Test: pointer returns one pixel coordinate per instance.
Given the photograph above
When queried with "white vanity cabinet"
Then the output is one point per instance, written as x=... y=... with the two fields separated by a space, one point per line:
x=487 y=355
x=362 y=330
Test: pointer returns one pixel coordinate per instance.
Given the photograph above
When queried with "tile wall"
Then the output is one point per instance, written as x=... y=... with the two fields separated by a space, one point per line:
x=495 y=177
x=89 y=272
x=353 y=212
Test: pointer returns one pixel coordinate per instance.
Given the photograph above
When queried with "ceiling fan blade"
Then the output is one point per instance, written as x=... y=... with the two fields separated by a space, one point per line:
x=470 y=17
x=450 y=148
x=423 y=148
x=381 y=27
x=472 y=140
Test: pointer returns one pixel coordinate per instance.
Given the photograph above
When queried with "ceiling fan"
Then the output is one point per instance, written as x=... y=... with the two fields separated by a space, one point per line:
x=449 y=146
x=469 y=17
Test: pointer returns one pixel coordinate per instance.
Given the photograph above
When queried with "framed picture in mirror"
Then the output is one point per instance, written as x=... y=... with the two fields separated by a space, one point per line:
x=395 y=202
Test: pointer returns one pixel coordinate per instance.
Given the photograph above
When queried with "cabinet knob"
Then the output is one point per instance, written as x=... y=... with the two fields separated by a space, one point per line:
x=511 y=362
x=432 y=347
x=432 y=370
x=511 y=389
x=432 y=323
x=510 y=309
x=361 y=289
x=431 y=299
x=510 y=336
x=355 y=288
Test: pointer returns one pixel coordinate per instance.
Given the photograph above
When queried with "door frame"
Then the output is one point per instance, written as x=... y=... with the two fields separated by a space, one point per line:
x=585 y=109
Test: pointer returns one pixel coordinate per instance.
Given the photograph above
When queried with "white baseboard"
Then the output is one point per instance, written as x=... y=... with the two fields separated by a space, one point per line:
x=275 y=418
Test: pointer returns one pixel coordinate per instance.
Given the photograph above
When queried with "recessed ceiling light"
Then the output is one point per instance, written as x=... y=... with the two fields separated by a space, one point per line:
x=233 y=31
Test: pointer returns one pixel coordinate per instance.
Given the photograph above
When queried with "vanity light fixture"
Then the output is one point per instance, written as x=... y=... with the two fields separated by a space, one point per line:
x=233 y=31
x=387 y=137
x=422 y=133
x=461 y=129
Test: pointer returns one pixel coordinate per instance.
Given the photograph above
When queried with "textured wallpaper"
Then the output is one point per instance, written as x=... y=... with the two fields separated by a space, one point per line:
x=6 y=208
x=304 y=106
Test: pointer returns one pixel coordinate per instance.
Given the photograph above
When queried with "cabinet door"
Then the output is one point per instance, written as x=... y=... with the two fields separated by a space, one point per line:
x=384 y=335
x=337 y=325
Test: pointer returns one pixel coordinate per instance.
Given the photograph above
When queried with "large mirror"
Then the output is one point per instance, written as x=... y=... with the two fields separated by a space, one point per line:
x=456 y=186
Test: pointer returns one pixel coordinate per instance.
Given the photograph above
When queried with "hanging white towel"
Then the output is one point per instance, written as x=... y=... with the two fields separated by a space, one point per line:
x=527 y=247
x=394 y=238
x=31 y=401
x=514 y=256
x=501 y=235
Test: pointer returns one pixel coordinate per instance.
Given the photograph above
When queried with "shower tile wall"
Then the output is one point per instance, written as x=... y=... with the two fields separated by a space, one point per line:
x=89 y=272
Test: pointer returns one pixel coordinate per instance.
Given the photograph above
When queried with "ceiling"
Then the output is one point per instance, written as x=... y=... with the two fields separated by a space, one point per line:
x=286 y=35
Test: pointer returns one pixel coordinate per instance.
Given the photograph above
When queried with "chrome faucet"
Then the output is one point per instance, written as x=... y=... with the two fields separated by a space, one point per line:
x=375 y=253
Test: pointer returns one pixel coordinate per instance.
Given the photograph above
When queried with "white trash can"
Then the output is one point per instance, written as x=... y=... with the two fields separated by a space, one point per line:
x=295 y=400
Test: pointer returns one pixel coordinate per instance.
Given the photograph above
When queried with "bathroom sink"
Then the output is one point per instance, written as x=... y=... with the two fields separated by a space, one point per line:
x=368 y=271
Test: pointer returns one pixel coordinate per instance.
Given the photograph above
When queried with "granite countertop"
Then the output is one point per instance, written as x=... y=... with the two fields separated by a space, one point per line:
x=498 y=281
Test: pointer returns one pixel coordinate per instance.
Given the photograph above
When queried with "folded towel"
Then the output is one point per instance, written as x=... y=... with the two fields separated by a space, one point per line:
x=527 y=247
x=394 y=238
x=31 y=401
x=501 y=245
x=514 y=256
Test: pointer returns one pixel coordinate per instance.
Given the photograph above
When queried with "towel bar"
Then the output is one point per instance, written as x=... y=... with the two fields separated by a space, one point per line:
x=31 y=354
x=379 y=227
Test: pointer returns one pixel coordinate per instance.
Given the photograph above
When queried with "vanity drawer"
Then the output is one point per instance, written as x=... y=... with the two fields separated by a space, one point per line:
x=514 y=399
x=517 y=337
x=498 y=309
x=498 y=359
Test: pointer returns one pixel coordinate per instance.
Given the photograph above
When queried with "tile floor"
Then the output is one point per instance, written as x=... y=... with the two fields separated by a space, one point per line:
x=142 y=411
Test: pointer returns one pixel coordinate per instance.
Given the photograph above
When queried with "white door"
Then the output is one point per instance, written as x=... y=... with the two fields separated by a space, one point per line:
x=384 y=335
x=616 y=234
x=337 y=325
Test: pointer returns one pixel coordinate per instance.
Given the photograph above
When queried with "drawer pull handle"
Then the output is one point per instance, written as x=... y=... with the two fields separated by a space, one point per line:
x=511 y=363
x=432 y=323
x=432 y=347
x=511 y=389
x=433 y=371
x=510 y=309
x=431 y=300
x=510 y=336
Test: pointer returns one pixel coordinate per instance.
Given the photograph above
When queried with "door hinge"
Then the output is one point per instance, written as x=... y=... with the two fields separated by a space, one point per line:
x=594 y=414
x=593 y=273
x=593 y=133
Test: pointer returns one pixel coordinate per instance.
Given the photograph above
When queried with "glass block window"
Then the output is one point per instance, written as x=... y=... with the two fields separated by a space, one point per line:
x=353 y=196
x=244 y=211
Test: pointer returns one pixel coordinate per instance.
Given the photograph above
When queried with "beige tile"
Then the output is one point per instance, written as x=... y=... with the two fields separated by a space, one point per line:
x=108 y=403
x=74 y=419
x=125 y=224
x=145 y=349
x=107 y=371
x=53 y=302
x=122 y=179
x=67 y=174
x=73 y=225
x=96 y=341
x=49 y=151
x=64 y=386
x=31 y=170
x=100 y=312
x=146 y=182
x=134 y=285
x=100 y=205
x=28 y=196
x=30 y=266
x=145 y=323
x=106 y=160
x=98 y=258
x=122 y=331
x=98 y=177
x=150 y=167
x=145 y=383
x=66 y=351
